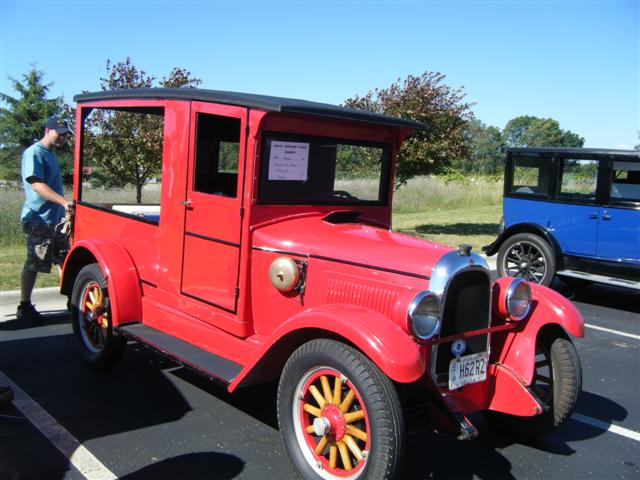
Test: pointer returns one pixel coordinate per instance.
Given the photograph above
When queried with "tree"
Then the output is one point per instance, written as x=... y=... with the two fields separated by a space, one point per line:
x=426 y=99
x=127 y=146
x=22 y=121
x=529 y=131
x=485 y=150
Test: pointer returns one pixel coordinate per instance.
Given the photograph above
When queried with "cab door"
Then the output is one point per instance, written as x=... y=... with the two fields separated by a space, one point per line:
x=213 y=206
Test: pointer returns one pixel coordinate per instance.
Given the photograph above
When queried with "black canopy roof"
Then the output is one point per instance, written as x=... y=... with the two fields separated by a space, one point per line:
x=265 y=102
x=574 y=152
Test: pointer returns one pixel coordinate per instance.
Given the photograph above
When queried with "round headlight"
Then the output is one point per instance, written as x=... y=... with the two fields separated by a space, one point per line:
x=518 y=299
x=424 y=315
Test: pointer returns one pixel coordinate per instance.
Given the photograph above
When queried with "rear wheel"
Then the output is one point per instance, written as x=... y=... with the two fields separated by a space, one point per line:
x=557 y=382
x=527 y=256
x=339 y=416
x=97 y=342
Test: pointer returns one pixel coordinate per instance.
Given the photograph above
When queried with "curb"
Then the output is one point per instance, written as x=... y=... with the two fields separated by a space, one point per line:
x=14 y=295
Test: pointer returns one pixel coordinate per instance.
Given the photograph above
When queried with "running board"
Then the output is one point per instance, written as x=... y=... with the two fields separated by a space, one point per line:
x=618 y=282
x=205 y=363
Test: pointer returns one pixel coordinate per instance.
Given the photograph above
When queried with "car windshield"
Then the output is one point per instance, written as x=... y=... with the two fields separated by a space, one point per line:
x=318 y=170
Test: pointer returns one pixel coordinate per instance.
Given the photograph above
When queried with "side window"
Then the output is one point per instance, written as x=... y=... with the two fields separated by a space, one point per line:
x=625 y=184
x=217 y=152
x=531 y=175
x=578 y=179
x=122 y=160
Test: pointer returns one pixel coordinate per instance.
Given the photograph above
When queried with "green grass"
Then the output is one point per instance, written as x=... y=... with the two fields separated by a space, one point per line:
x=477 y=225
x=11 y=262
x=427 y=207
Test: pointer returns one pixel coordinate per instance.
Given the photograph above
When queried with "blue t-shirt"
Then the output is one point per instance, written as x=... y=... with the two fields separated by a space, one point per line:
x=38 y=161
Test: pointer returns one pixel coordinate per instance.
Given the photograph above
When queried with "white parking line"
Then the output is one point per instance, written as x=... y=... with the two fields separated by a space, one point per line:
x=617 y=332
x=625 y=432
x=81 y=458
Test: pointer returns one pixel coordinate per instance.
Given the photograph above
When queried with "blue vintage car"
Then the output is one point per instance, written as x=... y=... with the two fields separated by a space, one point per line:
x=572 y=212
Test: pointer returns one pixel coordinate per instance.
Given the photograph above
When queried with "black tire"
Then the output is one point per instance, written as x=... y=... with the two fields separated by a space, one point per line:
x=557 y=382
x=527 y=256
x=375 y=402
x=99 y=345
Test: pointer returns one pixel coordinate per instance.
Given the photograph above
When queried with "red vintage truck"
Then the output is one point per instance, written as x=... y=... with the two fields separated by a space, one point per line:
x=263 y=251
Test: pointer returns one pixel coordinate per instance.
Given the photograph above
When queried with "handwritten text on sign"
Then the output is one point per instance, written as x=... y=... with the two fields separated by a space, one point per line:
x=289 y=161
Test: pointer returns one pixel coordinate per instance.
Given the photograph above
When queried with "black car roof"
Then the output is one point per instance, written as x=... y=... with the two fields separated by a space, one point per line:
x=631 y=154
x=265 y=102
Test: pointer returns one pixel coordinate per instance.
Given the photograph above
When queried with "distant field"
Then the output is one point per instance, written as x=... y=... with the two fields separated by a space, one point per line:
x=427 y=207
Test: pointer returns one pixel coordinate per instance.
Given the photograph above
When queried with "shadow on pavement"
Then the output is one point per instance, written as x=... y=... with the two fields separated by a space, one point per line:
x=601 y=295
x=50 y=317
x=87 y=403
x=194 y=466
x=459 y=229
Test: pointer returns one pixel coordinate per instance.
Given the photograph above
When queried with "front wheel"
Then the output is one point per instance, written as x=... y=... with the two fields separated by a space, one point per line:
x=339 y=416
x=99 y=345
x=527 y=256
x=557 y=382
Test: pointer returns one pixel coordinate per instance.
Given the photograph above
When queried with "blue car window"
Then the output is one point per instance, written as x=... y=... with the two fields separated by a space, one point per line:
x=531 y=176
x=578 y=179
x=625 y=183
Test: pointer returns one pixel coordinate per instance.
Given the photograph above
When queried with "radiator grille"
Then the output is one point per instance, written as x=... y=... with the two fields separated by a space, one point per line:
x=466 y=308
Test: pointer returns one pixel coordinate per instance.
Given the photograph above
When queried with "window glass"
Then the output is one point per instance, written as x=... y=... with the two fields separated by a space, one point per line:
x=578 y=178
x=122 y=159
x=625 y=185
x=315 y=170
x=531 y=175
x=217 y=147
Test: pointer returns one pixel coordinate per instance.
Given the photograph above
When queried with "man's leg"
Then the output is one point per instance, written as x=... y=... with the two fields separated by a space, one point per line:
x=27 y=281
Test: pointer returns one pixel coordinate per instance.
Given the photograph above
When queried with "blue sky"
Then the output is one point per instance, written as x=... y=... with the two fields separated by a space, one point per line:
x=575 y=61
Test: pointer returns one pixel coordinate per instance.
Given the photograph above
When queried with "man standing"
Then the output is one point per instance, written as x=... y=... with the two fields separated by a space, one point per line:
x=44 y=207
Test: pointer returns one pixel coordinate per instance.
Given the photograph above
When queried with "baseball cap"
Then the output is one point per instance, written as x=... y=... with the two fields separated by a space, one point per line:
x=58 y=124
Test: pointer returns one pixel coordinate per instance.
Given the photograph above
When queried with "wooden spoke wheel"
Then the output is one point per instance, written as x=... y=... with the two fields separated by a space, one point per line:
x=94 y=316
x=331 y=423
x=97 y=342
x=325 y=400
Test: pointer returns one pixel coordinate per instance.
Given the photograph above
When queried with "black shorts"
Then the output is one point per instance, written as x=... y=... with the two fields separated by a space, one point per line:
x=39 y=247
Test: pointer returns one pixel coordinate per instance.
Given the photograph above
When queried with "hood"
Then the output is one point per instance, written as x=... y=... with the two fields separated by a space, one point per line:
x=351 y=242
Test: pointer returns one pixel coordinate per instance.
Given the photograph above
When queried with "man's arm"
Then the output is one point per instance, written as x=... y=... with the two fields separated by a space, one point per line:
x=46 y=192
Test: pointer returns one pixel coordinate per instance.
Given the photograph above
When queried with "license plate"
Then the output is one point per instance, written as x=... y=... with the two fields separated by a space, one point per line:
x=468 y=369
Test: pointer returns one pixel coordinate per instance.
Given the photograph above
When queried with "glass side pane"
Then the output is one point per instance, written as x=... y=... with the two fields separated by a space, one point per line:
x=531 y=175
x=578 y=179
x=625 y=184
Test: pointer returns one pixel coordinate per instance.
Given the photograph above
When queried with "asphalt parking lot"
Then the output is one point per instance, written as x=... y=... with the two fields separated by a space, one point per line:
x=150 y=418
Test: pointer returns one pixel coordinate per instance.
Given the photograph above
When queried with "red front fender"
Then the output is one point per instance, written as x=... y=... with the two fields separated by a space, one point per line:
x=391 y=349
x=119 y=270
x=549 y=308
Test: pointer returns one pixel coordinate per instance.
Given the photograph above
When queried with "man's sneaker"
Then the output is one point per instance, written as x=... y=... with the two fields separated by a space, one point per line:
x=6 y=395
x=26 y=311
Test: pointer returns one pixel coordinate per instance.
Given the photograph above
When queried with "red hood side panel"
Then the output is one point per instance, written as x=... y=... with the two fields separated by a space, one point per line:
x=354 y=243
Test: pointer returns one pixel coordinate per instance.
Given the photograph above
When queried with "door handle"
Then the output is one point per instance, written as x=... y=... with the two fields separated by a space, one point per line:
x=186 y=202
x=593 y=216
x=606 y=216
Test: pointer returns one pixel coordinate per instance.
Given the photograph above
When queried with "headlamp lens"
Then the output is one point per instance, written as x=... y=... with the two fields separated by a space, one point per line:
x=518 y=299
x=424 y=315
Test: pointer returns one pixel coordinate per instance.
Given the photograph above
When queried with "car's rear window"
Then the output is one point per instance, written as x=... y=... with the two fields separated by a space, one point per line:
x=531 y=175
